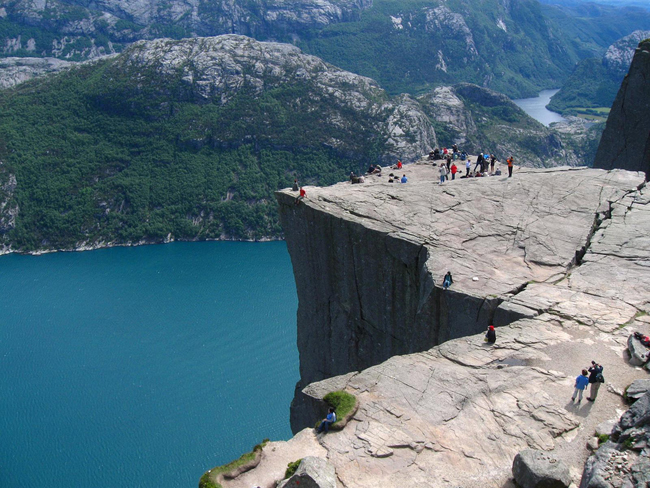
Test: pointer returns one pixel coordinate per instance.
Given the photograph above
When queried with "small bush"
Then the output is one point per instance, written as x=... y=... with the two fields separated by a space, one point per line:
x=291 y=468
x=602 y=438
x=342 y=402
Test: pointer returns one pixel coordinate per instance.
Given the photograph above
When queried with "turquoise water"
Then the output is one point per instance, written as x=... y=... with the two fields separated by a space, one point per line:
x=145 y=366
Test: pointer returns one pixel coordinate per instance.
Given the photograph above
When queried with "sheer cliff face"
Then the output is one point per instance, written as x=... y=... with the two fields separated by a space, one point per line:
x=369 y=259
x=626 y=140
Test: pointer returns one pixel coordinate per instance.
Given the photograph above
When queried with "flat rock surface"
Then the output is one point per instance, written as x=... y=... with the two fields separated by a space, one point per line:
x=457 y=414
x=503 y=231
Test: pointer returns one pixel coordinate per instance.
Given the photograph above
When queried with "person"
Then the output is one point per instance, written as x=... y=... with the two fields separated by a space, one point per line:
x=595 y=379
x=491 y=335
x=443 y=173
x=448 y=163
x=511 y=161
x=447 y=280
x=371 y=169
x=302 y=195
x=444 y=152
x=581 y=383
x=454 y=170
x=399 y=164
x=454 y=148
x=295 y=185
x=493 y=159
x=463 y=156
x=327 y=421
x=479 y=163
x=436 y=154
x=404 y=179
x=377 y=170
x=467 y=166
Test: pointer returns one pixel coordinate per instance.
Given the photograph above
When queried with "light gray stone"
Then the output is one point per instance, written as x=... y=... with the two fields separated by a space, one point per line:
x=539 y=469
x=638 y=388
x=638 y=352
x=313 y=472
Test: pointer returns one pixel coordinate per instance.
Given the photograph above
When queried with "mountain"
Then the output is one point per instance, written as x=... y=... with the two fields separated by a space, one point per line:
x=407 y=46
x=626 y=140
x=187 y=140
x=595 y=82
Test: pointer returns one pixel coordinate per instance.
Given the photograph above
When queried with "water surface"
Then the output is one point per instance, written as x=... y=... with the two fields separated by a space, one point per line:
x=536 y=107
x=143 y=367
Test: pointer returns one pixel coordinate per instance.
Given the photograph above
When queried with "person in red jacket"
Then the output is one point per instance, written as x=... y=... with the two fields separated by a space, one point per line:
x=454 y=170
x=302 y=195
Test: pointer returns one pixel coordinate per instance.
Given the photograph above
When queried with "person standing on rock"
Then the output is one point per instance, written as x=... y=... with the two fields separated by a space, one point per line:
x=581 y=383
x=493 y=159
x=468 y=164
x=511 y=162
x=295 y=186
x=595 y=379
x=443 y=173
x=454 y=170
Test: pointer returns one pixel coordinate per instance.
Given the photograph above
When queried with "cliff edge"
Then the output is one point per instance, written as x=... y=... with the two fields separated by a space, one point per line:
x=626 y=140
x=558 y=258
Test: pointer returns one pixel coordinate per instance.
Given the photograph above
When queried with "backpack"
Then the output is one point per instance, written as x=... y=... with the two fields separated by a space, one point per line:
x=600 y=378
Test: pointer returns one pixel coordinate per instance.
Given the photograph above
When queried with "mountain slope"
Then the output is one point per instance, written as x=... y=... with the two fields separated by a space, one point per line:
x=189 y=138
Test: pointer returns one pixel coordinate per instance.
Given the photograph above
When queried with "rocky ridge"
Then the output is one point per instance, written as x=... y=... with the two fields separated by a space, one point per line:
x=457 y=414
x=626 y=139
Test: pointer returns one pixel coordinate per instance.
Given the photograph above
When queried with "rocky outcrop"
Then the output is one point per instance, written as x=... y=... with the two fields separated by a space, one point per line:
x=224 y=67
x=18 y=70
x=626 y=140
x=368 y=260
x=567 y=244
x=313 y=472
x=619 y=55
x=625 y=459
x=538 y=469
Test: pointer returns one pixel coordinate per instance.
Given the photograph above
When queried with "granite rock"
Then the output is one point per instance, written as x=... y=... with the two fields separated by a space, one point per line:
x=638 y=352
x=313 y=472
x=626 y=141
x=539 y=469
x=638 y=388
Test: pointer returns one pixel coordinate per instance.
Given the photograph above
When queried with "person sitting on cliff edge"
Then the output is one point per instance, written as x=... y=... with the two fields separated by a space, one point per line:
x=327 y=421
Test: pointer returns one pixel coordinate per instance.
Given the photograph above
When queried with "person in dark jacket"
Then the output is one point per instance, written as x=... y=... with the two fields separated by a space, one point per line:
x=447 y=280
x=595 y=380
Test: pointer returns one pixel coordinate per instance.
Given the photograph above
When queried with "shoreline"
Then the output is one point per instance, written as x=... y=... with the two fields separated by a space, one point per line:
x=106 y=245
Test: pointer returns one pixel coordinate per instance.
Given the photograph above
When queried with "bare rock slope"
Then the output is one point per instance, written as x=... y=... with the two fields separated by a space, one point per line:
x=560 y=255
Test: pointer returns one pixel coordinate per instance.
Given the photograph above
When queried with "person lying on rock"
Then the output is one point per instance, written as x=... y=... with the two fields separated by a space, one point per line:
x=327 y=421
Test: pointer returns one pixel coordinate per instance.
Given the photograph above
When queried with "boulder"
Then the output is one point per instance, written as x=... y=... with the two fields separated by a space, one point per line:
x=638 y=415
x=313 y=472
x=638 y=352
x=638 y=388
x=539 y=469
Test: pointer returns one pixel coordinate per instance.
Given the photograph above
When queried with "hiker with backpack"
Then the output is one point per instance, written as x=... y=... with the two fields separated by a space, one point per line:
x=595 y=380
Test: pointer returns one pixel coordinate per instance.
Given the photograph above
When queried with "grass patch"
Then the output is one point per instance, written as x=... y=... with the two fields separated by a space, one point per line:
x=640 y=313
x=602 y=438
x=343 y=402
x=629 y=443
x=209 y=478
x=291 y=468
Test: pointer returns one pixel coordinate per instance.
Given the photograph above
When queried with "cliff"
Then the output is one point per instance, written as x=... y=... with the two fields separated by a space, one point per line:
x=557 y=258
x=369 y=259
x=626 y=140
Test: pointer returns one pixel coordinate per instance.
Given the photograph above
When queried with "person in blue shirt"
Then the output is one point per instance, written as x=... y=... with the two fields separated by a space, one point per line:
x=404 y=179
x=327 y=421
x=581 y=383
x=447 y=280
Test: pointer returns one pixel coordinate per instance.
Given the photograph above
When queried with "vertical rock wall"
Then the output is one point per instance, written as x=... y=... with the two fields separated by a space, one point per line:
x=625 y=143
x=365 y=295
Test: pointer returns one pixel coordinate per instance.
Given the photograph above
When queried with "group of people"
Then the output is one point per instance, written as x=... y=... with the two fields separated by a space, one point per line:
x=592 y=376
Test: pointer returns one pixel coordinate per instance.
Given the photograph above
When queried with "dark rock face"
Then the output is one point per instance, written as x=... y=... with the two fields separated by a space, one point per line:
x=625 y=460
x=626 y=141
x=539 y=469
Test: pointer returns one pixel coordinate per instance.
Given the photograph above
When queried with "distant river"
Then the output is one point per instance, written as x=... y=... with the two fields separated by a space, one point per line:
x=145 y=366
x=536 y=107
